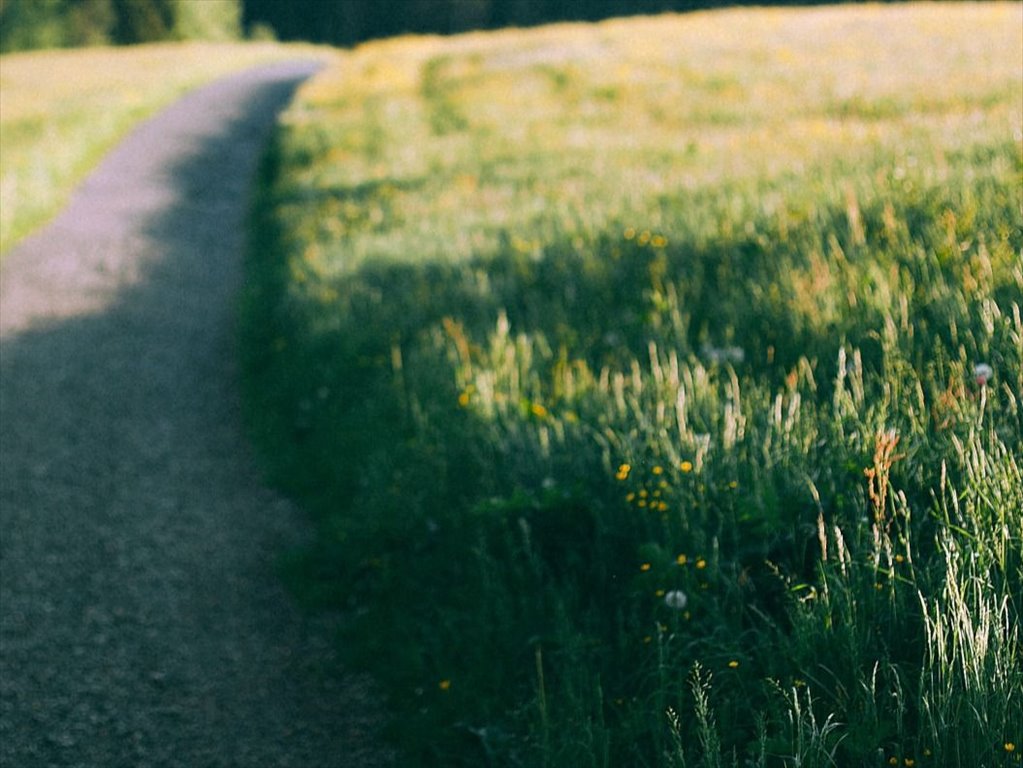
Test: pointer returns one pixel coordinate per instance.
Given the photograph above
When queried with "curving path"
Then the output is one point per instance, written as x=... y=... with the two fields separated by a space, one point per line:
x=141 y=622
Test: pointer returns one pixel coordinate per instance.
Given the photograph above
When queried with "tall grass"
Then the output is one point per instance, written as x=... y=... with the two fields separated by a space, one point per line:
x=61 y=110
x=656 y=384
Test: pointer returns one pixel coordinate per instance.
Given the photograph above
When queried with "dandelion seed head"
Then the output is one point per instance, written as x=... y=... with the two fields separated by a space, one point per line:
x=676 y=599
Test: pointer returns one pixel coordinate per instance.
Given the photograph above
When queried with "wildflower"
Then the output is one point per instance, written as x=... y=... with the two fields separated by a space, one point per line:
x=623 y=471
x=644 y=567
x=1010 y=747
x=538 y=410
x=659 y=593
x=676 y=599
x=662 y=506
x=909 y=761
x=659 y=241
x=630 y=497
x=682 y=559
x=647 y=640
x=463 y=399
x=641 y=503
x=734 y=484
x=686 y=466
x=658 y=470
x=982 y=373
x=900 y=559
x=444 y=685
x=701 y=564
x=630 y=233
x=733 y=664
x=893 y=760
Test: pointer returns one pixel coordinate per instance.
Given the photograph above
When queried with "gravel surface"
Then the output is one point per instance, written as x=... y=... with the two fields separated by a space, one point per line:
x=141 y=622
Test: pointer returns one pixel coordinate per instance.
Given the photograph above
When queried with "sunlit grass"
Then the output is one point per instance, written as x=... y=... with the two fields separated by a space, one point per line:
x=61 y=110
x=657 y=383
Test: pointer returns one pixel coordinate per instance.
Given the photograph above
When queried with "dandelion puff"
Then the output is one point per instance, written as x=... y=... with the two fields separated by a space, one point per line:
x=676 y=599
x=982 y=373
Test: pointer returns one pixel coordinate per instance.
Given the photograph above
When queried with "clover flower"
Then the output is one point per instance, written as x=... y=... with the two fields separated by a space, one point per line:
x=982 y=373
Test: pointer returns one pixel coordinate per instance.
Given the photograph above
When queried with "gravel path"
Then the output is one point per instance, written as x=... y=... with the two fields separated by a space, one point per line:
x=141 y=622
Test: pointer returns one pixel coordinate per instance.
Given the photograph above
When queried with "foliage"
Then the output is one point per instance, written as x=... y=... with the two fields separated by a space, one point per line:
x=31 y=24
x=656 y=384
x=353 y=21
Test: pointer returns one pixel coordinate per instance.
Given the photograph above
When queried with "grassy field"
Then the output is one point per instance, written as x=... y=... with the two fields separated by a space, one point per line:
x=61 y=110
x=656 y=384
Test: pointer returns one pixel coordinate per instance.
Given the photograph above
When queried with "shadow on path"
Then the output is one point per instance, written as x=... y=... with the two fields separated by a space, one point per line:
x=141 y=622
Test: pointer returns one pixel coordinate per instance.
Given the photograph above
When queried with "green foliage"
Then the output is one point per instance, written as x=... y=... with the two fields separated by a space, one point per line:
x=634 y=391
x=32 y=24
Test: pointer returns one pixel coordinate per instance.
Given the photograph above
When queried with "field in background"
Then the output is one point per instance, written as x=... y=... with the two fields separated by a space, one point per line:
x=657 y=384
x=61 y=110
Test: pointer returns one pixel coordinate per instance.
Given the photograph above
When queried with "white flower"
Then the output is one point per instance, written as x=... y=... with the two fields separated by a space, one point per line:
x=983 y=372
x=676 y=599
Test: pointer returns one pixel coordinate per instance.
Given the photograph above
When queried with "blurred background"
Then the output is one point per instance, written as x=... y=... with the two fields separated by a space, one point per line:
x=29 y=24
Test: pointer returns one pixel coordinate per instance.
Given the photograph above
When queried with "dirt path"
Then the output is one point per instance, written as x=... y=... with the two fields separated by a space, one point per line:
x=141 y=623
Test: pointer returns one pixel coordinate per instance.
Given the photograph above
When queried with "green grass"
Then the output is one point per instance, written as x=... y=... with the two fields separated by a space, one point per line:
x=60 y=111
x=549 y=329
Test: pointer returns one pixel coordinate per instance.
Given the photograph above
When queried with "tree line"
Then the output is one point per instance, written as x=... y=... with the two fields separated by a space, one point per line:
x=345 y=22
x=29 y=24
x=26 y=24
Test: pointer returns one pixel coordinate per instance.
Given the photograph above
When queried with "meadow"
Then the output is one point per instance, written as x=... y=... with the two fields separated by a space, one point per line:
x=60 y=111
x=656 y=385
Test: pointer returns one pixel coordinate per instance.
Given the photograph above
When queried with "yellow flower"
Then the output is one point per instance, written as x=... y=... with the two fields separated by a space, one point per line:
x=623 y=471
x=909 y=761
x=463 y=399
x=662 y=506
x=630 y=497
x=538 y=410
x=900 y=559
x=444 y=685
x=647 y=639
x=659 y=593
x=658 y=470
x=733 y=664
x=893 y=760
x=630 y=233
x=701 y=564
x=1010 y=747
x=644 y=567
x=686 y=466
